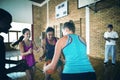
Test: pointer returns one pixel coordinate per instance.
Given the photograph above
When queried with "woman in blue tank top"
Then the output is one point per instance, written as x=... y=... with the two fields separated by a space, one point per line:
x=77 y=64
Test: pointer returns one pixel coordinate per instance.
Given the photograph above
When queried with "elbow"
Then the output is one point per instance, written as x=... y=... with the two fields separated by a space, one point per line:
x=23 y=54
x=105 y=38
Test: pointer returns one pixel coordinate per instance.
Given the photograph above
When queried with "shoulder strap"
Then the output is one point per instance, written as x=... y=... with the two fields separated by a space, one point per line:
x=69 y=40
x=46 y=41
x=55 y=40
x=31 y=43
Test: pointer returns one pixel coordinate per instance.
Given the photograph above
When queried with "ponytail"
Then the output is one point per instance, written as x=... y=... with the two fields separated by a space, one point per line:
x=20 y=38
x=70 y=25
x=17 y=42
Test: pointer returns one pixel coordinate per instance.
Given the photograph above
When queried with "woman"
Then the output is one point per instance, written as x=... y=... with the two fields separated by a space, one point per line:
x=77 y=65
x=26 y=48
x=48 y=46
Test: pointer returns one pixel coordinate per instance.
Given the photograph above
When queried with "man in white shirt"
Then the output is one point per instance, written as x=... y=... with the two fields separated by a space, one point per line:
x=110 y=46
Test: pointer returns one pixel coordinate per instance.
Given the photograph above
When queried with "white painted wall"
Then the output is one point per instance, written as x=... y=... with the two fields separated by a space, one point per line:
x=87 y=17
x=21 y=10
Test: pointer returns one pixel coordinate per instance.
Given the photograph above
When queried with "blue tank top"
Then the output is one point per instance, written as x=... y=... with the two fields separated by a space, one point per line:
x=50 y=49
x=76 y=59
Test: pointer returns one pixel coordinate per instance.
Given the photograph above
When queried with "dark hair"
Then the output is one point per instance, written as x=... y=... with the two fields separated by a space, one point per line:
x=17 y=42
x=50 y=29
x=21 y=37
x=110 y=26
x=24 y=30
x=70 y=25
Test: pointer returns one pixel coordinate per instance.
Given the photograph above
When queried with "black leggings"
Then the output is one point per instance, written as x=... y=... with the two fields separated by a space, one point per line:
x=79 y=76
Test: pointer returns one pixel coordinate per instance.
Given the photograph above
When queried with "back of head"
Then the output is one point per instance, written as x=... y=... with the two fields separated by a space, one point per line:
x=70 y=25
x=5 y=20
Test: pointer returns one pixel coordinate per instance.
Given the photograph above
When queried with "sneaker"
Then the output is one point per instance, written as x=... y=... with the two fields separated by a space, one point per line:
x=113 y=64
x=105 y=64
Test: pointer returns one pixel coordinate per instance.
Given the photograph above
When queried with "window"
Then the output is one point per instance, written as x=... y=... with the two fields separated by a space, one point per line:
x=5 y=37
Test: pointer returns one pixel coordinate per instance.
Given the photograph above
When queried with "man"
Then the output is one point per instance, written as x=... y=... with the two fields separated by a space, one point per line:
x=5 y=21
x=110 y=46
x=48 y=46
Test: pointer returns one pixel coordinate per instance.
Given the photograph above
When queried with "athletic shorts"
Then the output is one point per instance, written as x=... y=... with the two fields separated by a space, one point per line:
x=79 y=76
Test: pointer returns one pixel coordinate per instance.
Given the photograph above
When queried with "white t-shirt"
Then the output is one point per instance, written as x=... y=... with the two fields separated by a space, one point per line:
x=111 y=34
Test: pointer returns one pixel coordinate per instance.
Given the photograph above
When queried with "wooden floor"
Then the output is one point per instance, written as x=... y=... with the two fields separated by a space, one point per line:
x=108 y=72
x=102 y=72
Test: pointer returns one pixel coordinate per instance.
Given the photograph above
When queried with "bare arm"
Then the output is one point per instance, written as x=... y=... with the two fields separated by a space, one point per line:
x=108 y=39
x=44 y=49
x=105 y=37
x=113 y=39
x=59 y=46
x=35 y=47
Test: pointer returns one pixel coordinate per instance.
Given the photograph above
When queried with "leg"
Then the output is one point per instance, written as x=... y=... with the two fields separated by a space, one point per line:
x=113 y=53
x=59 y=69
x=33 y=72
x=11 y=61
x=3 y=75
x=47 y=76
x=107 y=48
x=18 y=68
x=28 y=75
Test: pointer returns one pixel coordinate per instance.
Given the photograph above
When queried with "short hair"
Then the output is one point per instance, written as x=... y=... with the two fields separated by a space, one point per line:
x=50 y=29
x=110 y=26
x=70 y=25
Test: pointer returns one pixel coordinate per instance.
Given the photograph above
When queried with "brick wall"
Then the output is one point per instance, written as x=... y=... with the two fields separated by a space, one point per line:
x=108 y=12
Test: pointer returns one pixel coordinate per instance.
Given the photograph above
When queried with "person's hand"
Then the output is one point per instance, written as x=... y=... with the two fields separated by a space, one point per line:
x=30 y=51
x=108 y=39
x=44 y=68
x=41 y=59
x=38 y=50
x=48 y=69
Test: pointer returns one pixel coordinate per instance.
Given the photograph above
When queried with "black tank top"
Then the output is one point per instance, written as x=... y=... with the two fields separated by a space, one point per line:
x=50 y=49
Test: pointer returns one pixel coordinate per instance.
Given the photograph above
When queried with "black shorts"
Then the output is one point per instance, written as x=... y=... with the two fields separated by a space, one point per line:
x=79 y=76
